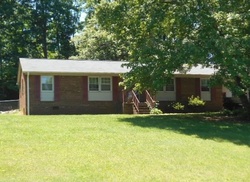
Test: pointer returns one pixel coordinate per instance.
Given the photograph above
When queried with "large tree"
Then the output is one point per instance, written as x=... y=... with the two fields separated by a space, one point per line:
x=98 y=44
x=12 y=45
x=53 y=24
x=94 y=42
x=33 y=28
x=166 y=34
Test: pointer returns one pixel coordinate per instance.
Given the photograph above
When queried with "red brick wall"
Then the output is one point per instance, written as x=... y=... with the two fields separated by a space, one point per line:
x=178 y=88
x=85 y=88
x=216 y=102
x=71 y=97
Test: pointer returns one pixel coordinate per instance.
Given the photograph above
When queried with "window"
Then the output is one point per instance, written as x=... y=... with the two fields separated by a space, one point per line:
x=93 y=84
x=100 y=89
x=99 y=84
x=167 y=93
x=170 y=85
x=205 y=85
x=105 y=84
x=47 y=83
x=47 y=88
x=205 y=90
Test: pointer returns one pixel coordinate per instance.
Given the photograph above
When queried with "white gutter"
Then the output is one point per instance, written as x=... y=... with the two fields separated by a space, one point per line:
x=28 y=93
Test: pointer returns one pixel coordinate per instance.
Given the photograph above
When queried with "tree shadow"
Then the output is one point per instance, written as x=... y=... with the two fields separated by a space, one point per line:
x=197 y=125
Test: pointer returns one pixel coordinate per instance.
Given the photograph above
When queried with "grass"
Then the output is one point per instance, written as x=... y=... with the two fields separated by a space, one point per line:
x=123 y=148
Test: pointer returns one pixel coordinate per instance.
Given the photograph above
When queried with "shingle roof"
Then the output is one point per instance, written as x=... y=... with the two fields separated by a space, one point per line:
x=198 y=70
x=72 y=66
x=91 y=67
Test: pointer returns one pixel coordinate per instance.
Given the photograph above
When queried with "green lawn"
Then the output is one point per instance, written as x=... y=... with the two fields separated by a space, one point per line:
x=122 y=148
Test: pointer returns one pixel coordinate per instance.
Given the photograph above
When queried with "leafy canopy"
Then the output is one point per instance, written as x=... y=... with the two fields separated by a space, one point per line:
x=165 y=34
x=38 y=29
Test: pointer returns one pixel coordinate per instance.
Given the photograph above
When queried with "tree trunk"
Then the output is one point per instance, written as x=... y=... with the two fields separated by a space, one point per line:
x=243 y=97
x=44 y=29
x=44 y=38
x=45 y=51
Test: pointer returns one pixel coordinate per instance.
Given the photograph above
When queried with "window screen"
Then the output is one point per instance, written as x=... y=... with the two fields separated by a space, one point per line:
x=47 y=83
x=105 y=84
x=93 y=84
x=205 y=85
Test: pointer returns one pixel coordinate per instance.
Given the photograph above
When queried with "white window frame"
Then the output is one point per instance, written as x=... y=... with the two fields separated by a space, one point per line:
x=47 y=95
x=205 y=94
x=100 y=95
x=100 y=84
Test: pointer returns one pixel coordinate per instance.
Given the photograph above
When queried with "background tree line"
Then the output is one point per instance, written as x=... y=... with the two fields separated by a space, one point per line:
x=34 y=29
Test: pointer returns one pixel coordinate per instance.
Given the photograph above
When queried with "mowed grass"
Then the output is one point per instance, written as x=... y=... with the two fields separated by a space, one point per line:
x=122 y=148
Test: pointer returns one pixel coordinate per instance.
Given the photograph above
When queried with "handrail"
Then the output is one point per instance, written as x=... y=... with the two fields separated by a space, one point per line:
x=135 y=101
x=123 y=96
x=150 y=100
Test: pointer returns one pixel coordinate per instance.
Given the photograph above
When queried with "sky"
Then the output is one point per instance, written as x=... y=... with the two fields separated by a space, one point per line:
x=83 y=15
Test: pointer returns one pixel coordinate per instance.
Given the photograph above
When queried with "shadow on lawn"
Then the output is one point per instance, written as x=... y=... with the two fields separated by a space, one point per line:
x=238 y=133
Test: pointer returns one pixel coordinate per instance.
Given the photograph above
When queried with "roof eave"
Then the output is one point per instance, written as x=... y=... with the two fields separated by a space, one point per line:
x=193 y=75
x=72 y=73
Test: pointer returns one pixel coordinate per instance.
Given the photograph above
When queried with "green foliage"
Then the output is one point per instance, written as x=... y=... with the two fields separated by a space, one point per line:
x=230 y=112
x=236 y=113
x=162 y=36
x=98 y=44
x=94 y=41
x=38 y=29
x=195 y=101
x=53 y=23
x=156 y=111
x=178 y=106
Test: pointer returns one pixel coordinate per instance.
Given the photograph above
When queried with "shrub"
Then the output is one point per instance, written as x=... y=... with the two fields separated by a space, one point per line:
x=195 y=101
x=236 y=112
x=178 y=106
x=155 y=111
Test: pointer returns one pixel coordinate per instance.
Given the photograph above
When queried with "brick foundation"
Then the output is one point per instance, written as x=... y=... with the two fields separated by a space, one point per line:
x=71 y=108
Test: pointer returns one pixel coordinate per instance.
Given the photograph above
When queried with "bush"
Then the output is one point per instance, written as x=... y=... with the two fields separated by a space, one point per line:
x=195 y=101
x=236 y=112
x=178 y=106
x=231 y=104
x=155 y=111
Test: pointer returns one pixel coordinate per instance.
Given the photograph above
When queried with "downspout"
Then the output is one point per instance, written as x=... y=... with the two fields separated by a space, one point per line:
x=28 y=93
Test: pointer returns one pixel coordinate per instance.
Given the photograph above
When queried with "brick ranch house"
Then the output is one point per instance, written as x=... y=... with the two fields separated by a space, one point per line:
x=92 y=87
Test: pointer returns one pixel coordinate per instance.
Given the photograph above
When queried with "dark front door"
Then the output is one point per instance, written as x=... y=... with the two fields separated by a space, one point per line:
x=142 y=97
